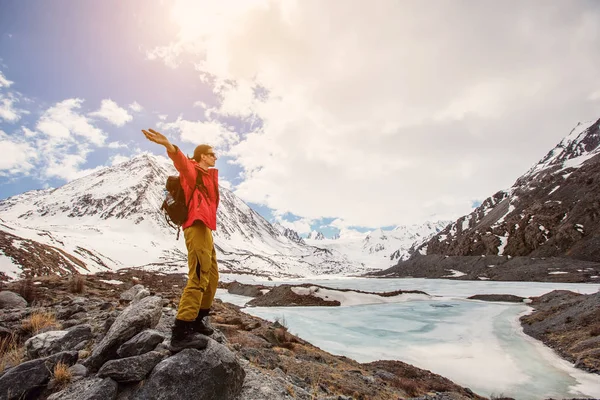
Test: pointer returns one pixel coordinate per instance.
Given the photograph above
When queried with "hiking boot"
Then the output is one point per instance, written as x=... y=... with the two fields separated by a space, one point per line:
x=202 y=327
x=184 y=336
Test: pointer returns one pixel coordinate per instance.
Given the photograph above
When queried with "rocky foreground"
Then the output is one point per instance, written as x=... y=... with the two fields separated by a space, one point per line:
x=106 y=336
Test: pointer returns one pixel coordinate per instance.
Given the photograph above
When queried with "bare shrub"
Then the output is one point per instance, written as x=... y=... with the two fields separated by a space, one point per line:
x=39 y=320
x=77 y=283
x=62 y=375
x=10 y=352
x=411 y=387
x=27 y=290
x=595 y=331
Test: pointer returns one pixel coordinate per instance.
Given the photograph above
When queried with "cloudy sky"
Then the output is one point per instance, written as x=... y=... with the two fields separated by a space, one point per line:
x=326 y=114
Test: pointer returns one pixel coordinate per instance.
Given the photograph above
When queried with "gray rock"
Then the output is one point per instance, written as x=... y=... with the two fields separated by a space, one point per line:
x=47 y=343
x=88 y=389
x=70 y=311
x=213 y=373
x=79 y=301
x=140 y=295
x=75 y=336
x=18 y=381
x=134 y=319
x=10 y=299
x=131 y=369
x=130 y=293
x=12 y=315
x=78 y=370
x=259 y=385
x=141 y=343
x=37 y=345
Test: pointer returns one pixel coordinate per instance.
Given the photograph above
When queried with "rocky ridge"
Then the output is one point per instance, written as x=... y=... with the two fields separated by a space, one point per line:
x=551 y=211
x=111 y=331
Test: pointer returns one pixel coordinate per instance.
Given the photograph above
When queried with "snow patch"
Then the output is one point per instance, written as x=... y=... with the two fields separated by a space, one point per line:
x=111 y=282
x=455 y=274
x=557 y=272
x=503 y=241
x=553 y=190
x=352 y=298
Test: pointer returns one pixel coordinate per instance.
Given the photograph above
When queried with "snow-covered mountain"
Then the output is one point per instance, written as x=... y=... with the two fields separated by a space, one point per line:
x=111 y=219
x=379 y=249
x=551 y=210
x=315 y=235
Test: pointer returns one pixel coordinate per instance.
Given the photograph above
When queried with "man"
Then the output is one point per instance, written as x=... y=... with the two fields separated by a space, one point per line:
x=200 y=183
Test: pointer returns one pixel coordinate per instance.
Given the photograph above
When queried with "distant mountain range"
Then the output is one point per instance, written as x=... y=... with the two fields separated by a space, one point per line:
x=111 y=219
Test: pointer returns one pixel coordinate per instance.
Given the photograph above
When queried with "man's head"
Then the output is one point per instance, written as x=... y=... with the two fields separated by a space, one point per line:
x=205 y=156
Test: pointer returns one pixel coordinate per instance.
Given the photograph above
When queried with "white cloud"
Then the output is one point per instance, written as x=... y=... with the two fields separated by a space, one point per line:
x=8 y=112
x=197 y=132
x=8 y=100
x=62 y=121
x=116 y=145
x=117 y=159
x=301 y=226
x=225 y=183
x=110 y=111
x=63 y=139
x=595 y=96
x=3 y=81
x=162 y=117
x=17 y=156
x=135 y=106
x=391 y=114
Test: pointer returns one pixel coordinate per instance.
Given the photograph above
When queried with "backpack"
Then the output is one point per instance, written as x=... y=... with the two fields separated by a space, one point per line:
x=175 y=205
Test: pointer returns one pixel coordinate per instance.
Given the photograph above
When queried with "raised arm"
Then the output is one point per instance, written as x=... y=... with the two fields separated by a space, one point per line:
x=159 y=138
x=181 y=162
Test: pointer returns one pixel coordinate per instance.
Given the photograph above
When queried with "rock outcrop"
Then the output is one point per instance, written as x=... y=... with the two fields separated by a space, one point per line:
x=569 y=323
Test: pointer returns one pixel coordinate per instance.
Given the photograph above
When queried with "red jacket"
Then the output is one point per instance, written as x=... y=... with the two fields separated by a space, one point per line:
x=199 y=207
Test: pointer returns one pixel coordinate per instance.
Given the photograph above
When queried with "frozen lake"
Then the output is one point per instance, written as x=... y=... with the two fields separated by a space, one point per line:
x=477 y=344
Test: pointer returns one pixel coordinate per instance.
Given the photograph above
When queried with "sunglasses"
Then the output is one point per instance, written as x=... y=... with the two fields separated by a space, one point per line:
x=211 y=154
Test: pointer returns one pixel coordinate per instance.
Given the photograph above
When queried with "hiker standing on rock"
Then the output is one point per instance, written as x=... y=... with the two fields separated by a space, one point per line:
x=200 y=184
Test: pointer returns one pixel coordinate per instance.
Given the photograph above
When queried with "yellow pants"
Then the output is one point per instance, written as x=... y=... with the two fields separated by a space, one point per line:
x=203 y=274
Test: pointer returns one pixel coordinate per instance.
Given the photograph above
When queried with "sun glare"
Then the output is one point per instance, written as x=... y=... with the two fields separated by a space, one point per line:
x=203 y=19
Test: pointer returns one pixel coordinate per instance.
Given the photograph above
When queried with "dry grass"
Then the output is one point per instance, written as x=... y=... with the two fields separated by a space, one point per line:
x=39 y=320
x=77 y=283
x=62 y=375
x=27 y=290
x=11 y=353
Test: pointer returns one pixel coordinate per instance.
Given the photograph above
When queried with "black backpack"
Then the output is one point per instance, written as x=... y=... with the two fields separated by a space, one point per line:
x=175 y=205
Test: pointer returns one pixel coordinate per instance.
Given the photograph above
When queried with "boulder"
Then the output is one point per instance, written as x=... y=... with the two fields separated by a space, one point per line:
x=52 y=342
x=140 y=295
x=88 y=389
x=213 y=373
x=141 y=343
x=135 y=318
x=131 y=369
x=10 y=299
x=32 y=375
x=128 y=295
x=38 y=345
x=75 y=339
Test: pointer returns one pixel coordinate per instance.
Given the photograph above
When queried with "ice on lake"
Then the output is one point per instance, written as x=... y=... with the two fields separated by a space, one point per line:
x=476 y=344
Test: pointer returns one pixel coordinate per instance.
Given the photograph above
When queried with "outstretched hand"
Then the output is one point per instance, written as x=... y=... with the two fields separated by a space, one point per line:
x=156 y=137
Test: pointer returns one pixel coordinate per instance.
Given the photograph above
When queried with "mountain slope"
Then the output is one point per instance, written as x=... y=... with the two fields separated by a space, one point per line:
x=552 y=210
x=111 y=219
